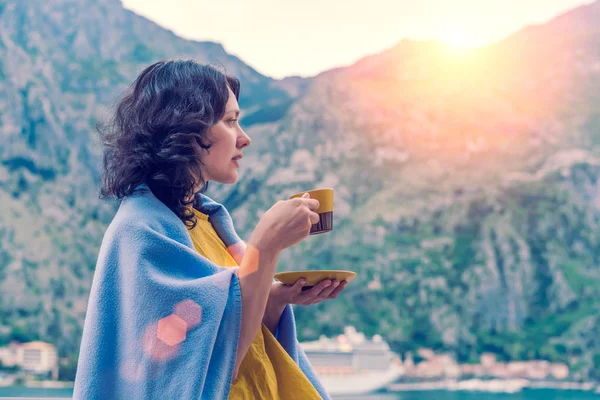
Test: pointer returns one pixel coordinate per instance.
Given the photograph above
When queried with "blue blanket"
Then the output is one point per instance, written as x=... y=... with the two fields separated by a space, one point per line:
x=162 y=320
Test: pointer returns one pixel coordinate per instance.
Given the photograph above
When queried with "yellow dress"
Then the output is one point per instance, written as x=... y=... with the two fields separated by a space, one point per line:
x=267 y=371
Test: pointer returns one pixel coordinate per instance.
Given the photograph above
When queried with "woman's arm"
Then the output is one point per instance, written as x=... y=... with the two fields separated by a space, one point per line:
x=282 y=226
x=255 y=275
x=273 y=313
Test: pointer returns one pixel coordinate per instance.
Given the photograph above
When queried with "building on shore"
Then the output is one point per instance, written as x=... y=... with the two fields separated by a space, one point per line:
x=37 y=358
x=436 y=366
x=40 y=358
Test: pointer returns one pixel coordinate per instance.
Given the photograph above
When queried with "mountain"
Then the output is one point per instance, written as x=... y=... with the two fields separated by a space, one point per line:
x=467 y=195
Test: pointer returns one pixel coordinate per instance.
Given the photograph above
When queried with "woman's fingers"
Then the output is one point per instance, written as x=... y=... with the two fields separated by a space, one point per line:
x=314 y=218
x=338 y=289
x=314 y=294
x=297 y=286
x=324 y=290
x=325 y=293
x=312 y=204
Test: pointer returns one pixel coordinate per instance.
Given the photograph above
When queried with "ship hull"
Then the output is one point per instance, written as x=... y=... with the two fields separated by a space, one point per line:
x=360 y=382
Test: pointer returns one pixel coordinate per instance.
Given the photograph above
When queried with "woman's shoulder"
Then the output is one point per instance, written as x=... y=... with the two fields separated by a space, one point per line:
x=141 y=211
x=207 y=205
x=219 y=218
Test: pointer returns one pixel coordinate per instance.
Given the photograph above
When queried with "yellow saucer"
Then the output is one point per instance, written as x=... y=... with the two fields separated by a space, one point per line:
x=315 y=276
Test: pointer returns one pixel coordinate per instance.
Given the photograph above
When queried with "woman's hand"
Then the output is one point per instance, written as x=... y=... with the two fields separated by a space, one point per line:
x=293 y=294
x=285 y=224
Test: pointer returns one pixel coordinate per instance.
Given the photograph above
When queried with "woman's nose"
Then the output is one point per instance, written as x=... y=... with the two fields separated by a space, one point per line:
x=244 y=140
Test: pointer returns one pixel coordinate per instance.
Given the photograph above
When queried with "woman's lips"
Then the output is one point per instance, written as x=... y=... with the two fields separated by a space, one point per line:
x=235 y=160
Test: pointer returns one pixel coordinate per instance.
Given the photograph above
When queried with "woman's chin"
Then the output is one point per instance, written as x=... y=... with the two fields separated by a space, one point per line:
x=228 y=180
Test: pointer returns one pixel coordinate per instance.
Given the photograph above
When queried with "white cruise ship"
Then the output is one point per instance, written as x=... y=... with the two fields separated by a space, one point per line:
x=352 y=364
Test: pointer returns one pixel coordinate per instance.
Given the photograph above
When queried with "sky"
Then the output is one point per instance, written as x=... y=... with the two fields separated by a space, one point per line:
x=282 y=38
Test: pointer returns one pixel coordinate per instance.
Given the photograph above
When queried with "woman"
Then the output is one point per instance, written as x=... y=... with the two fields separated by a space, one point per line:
x=180 y=306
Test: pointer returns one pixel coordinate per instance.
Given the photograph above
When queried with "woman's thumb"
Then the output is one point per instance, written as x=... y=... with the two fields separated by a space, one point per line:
x=299 y=284
x=306 y=195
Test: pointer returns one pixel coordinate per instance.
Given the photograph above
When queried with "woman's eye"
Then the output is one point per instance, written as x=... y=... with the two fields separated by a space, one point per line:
x=232 y=121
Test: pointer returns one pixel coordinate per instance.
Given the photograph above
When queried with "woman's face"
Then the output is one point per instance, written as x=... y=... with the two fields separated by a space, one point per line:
x=221 y=160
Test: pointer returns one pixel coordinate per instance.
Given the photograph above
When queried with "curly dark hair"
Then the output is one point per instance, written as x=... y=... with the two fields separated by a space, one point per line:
x=159 y=129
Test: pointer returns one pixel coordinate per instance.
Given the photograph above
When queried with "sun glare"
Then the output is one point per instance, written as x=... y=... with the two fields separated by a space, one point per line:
x=459 y=42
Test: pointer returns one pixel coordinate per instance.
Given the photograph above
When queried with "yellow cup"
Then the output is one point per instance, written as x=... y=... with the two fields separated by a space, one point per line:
x=325 y=210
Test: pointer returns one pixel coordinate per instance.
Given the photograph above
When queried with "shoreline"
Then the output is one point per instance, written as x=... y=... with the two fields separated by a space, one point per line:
x=491 y=385
x=496 y=386
x=39 y=384
x=50 y=384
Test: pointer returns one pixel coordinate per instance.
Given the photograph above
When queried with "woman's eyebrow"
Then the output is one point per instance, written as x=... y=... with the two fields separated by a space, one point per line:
x=237 y=111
